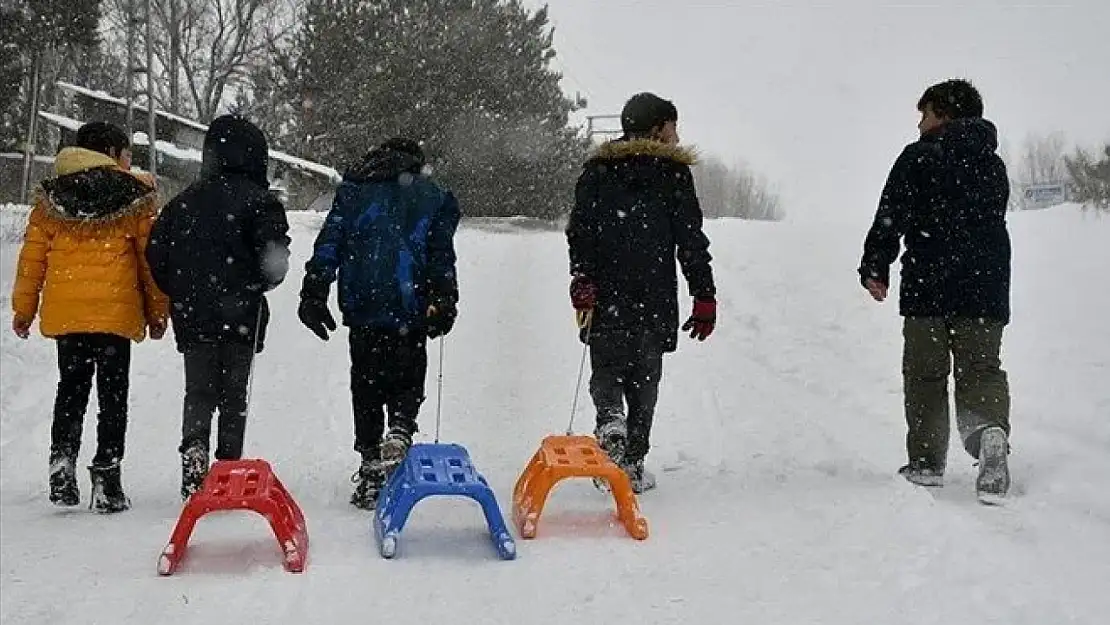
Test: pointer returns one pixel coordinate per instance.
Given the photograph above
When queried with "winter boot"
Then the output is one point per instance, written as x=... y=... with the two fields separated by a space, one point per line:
x=194 y=468
x=642 y=479
x=612 y=438
x=917 y=473
x=63 y=480
x=107 y=491
x=393 y=448
x=368 y=480
x=994 y=473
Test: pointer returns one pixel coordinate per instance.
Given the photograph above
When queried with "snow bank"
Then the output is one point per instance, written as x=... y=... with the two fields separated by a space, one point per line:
x=776 y=443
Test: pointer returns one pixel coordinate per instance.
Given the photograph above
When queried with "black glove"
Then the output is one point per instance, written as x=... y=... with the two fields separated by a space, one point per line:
x=315 y=316
x=440 y=316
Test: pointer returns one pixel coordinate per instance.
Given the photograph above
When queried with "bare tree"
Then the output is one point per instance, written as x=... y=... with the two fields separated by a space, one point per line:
x=735 y=192
x=206 y=49
x=1042 y=159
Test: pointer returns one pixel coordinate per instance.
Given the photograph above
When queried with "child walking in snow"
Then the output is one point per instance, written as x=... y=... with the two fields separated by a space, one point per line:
x=390 y=236
x=947 y=197
x=82 y=271
x=635 y=209
x=216 y=249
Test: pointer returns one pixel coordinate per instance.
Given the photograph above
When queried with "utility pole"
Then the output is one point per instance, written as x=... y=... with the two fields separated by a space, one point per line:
x=151 y=106
x=130 y=123
x=32 y=130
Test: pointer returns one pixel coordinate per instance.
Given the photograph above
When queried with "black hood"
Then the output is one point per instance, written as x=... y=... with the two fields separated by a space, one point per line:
x=971 y=135
x=95 y=194
x=387 y=162
x=233 y=145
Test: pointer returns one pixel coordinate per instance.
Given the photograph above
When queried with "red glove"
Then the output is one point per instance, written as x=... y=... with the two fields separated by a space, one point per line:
x=583 y=293
x=703 y=320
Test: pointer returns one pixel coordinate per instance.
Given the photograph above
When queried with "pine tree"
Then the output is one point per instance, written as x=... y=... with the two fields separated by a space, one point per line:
x=45 y=34
x=469 y=78
x=1090 y=178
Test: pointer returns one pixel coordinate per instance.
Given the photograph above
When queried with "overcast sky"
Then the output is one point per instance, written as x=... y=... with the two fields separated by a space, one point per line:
x=821 y=97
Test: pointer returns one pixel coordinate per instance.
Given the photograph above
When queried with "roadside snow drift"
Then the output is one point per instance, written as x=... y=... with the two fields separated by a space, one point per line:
x=776 y=447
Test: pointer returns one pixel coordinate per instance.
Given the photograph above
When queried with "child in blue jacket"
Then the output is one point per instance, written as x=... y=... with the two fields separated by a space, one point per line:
x=390 y=236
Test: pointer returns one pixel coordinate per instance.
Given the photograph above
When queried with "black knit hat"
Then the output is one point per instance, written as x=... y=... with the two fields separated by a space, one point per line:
x=405 y=146
x=645 y=111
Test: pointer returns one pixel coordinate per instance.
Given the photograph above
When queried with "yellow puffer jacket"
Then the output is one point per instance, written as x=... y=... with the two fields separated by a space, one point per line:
x=83 y=251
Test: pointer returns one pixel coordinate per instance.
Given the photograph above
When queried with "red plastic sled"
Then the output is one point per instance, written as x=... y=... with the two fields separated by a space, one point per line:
x=242 y=485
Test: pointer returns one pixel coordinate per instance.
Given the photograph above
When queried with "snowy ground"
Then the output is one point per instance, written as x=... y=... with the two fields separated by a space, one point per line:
x=776 y=446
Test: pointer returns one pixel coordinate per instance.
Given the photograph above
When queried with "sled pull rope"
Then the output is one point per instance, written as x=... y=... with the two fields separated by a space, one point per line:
x=585 y=320
x=254 y=355
x=439 y=389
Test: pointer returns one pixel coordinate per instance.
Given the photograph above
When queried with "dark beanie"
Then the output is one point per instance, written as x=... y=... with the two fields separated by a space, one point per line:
x=645 y=111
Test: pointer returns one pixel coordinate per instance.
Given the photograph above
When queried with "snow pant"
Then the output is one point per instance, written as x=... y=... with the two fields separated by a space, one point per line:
x=216 y=376
x=387 y=383
x=932 y=346
x=626 y=368
x=80 y=358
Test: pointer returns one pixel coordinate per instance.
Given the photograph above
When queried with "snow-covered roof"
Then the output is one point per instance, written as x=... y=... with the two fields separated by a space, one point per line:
x=328 y=172
x=107 y=97
x=61 y=120
x=169 y=149
x=139 y=138
x=172 y=150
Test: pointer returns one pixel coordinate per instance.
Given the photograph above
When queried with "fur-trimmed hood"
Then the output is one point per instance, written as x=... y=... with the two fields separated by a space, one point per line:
x=91 y=187
x=620 y=149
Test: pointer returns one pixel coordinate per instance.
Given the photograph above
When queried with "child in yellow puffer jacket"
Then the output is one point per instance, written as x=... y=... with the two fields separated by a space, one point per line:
x=83 y=271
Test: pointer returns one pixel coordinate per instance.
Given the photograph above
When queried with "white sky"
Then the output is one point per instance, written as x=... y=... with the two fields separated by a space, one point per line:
x=821 y=97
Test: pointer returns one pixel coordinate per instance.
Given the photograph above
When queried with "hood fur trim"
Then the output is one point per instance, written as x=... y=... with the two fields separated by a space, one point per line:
x=614 y=150
x=72 y=160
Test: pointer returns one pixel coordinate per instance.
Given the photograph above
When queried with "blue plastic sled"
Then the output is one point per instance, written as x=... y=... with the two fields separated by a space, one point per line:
x=436 y=469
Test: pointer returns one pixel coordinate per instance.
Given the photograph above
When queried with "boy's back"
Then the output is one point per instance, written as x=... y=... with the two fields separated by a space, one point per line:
x=635 y=207
x=389 y=235
x=948 y=194
x=220 y=244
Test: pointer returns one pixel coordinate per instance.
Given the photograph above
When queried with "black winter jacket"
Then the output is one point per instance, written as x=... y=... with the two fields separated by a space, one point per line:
x=635 y=210
x=220 y=244
x=947 y=195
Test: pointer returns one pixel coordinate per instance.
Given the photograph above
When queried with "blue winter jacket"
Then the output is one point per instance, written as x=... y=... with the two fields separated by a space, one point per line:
x=390 y=236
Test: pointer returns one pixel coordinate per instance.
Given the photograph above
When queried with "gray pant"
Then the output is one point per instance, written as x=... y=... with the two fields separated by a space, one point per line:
x=626 y=368
x=932 y=346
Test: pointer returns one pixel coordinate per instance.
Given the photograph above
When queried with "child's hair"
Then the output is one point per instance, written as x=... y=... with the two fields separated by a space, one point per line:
x=954 y=99
x=103 y=137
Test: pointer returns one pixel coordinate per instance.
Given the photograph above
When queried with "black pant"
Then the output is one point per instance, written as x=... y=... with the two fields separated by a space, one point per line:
x=216 y=376
x=387 y=371
x=627 y=367
x=80 y=356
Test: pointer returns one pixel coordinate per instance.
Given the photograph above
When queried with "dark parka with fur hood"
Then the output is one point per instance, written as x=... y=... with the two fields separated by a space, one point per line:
x=636 y=210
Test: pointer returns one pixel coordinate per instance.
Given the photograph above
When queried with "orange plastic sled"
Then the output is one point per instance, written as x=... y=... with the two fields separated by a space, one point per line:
x=561 y=457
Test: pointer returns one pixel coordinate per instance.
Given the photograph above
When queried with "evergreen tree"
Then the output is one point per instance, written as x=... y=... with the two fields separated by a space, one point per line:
x=469 y=78
x=1090 y=178
x=48 y=36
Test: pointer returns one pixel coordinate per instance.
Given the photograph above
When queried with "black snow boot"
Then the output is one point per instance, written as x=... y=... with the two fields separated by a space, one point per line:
x=394 y=448
x=993 y=482
x=642 y=480
x=368 y=480
x=194 y=468
x=613 y=438
x=917 y=472
x=63 y=480
x=107 y=490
